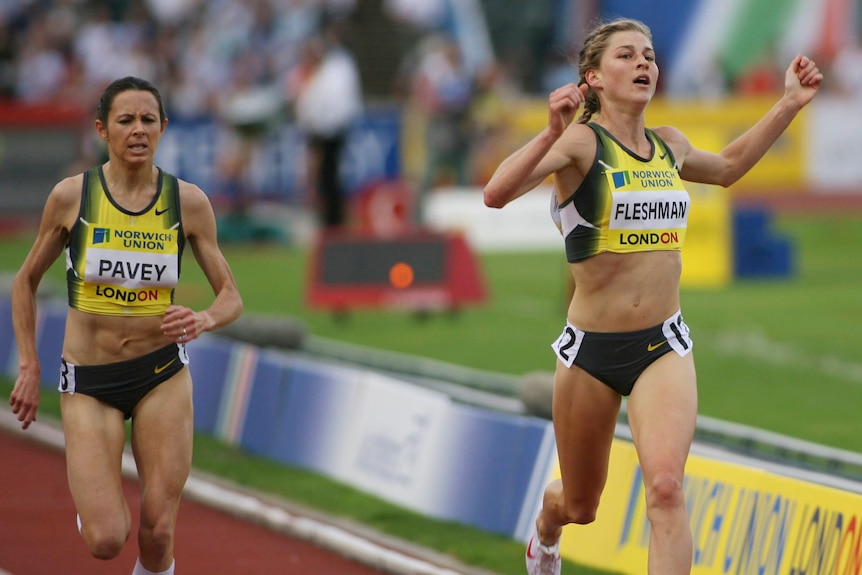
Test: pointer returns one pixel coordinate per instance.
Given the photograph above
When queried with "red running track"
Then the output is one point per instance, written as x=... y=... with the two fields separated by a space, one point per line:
x=38 y=535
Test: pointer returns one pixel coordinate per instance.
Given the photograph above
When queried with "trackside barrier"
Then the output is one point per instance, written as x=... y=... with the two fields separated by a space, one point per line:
x=398 y=441
x=418 y=448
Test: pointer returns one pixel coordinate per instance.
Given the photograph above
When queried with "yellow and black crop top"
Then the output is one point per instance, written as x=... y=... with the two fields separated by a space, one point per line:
x=120 y=262
x=625 y=203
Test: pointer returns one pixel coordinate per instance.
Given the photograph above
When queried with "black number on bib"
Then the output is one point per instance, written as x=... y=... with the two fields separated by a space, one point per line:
x=678 y=332
x=564 y=347
x=64 y=381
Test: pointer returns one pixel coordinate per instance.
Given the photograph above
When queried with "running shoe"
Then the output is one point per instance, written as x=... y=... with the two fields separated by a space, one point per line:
x=542 y=559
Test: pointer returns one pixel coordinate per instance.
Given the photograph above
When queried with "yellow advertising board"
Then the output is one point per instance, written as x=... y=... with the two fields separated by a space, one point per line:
x=745 y=521
x=707 y=256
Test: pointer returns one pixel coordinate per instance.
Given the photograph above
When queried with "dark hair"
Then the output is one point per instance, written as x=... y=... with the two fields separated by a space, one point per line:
x=124 y=85
x=591 y=54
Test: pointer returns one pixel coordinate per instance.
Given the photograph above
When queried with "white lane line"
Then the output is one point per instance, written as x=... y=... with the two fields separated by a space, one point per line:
x=757 y=345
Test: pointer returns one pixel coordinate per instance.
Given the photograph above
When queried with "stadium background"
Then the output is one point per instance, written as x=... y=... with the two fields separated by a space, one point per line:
x=715 y=57
x=742 y=46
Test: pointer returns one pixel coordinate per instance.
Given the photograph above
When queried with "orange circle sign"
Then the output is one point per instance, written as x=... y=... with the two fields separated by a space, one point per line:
x=401 y=275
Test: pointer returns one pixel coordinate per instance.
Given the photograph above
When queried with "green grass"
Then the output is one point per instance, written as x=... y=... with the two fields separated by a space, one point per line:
x=781 y=355
x=785 y=356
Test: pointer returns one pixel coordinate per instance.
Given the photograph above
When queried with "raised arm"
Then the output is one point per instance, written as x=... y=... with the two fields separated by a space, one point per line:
x=540 y=157
x=802 y=80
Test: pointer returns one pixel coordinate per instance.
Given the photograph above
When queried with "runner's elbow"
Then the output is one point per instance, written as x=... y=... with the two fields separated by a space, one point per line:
x=494 y=197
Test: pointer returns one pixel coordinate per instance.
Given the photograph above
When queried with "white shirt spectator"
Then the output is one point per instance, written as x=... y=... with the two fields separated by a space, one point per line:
x=171 y=11
x=331 y=99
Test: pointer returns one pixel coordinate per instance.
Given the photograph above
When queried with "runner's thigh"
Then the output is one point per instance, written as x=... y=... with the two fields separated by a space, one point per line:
x=95 y=438
x=662 y=412
x=585 y=414
x=162 y=432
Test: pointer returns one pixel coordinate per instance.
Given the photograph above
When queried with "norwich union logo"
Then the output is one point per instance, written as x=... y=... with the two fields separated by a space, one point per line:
x=621 y=179
x=101 y=235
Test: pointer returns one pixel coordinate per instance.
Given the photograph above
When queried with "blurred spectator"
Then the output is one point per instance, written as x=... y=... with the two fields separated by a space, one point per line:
x=443 y=90
x=426 y=14
x=327 y=94
x=41 y=70
x=249 y=108
x=559 y=70
x=195 y=71
x=493 y=102
x=8 y=63
x=846 y=70
x=96 y=46
x=337 y=10
x=172 y=12
x=706 y=81
x=250 y=102
x=763 y=77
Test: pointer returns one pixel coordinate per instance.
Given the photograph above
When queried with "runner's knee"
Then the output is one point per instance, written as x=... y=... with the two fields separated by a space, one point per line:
x=566 y=508
x=157 y=537
x=580 y=512
x=664 y=492
x=105 y=543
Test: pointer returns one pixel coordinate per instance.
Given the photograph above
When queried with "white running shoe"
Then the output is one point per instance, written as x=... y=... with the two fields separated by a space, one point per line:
x=542 y=559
